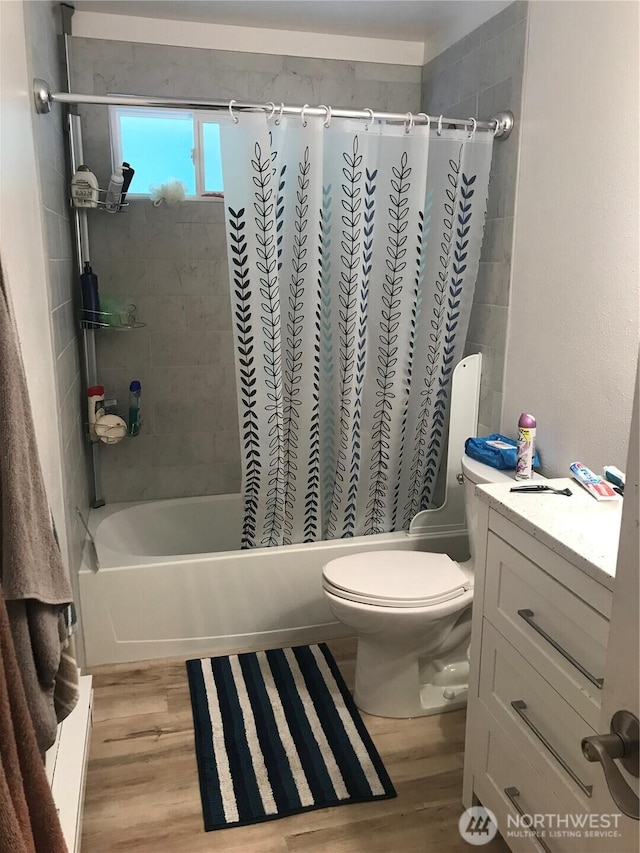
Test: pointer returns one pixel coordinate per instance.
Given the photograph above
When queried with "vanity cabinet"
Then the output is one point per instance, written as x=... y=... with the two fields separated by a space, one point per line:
x=542 y=604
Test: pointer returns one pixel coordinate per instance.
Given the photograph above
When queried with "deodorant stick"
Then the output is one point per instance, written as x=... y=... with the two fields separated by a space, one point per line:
x=526 y=441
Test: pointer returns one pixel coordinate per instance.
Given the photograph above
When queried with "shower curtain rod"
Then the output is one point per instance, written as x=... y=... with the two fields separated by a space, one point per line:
x=501 y=124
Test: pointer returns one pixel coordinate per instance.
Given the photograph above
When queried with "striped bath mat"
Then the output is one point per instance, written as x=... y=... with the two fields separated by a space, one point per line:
x=278 y=733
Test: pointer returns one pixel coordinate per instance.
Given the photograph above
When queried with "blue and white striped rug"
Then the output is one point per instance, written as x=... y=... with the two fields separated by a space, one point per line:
x=277 y=733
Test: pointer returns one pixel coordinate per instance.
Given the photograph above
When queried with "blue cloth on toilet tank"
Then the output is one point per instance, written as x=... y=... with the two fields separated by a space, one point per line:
x=504 y=458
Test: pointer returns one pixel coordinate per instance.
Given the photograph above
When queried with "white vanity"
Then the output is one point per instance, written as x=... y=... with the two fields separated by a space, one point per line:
x=544 y=577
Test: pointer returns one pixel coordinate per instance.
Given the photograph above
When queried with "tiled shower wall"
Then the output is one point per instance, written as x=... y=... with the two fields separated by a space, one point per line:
x=43 y=25
x=171 y=262
x=481 y=75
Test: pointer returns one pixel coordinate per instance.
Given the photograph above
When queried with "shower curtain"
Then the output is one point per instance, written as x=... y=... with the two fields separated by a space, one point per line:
x=353 y=253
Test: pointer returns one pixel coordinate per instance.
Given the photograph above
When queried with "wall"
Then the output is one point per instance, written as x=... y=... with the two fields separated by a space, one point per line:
x=481 y=75
x=23 y=249
x=574 y=325
x=43 y=25
x=251 y=39
x=172 y=262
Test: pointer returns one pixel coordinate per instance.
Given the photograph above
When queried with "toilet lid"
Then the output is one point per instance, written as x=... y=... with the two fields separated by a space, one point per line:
x=396 y=578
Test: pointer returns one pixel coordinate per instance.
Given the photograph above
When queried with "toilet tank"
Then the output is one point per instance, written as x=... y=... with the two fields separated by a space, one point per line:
x=476 y=473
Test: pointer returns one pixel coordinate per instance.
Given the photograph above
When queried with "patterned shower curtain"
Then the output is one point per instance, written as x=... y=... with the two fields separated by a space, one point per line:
x=353 y=255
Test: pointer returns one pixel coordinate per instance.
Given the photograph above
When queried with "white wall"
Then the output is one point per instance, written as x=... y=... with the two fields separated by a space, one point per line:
x=22 y=249
x=575 y=298
x=246 y=39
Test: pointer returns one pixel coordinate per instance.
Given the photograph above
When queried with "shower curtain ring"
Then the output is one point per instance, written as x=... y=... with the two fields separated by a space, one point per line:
x=408 y=124
x=426 y=118
x=371 y=117
x=273 y=110
x=235 y=118
x=327 y=110
x=440 y=126
x=474 y=125
x=304 y=121
x=279 y=119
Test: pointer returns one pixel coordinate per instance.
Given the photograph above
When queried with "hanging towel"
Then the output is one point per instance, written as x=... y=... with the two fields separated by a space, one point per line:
x=67 y=688
x=28 y=817
x=34 y=579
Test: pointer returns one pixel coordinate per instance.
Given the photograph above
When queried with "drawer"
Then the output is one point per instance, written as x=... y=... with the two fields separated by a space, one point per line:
x=507 y=782
x=545 y=727
x=556 y=631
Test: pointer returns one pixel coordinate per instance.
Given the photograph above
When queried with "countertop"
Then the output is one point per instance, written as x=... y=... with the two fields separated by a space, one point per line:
x=582 y=530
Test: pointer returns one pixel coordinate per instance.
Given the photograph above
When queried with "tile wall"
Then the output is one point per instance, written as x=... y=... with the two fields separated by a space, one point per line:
x=478 y=76
x=43 y=25
x=171 y=262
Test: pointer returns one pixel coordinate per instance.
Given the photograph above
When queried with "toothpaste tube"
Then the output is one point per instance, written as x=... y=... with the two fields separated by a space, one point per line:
x=596 y=486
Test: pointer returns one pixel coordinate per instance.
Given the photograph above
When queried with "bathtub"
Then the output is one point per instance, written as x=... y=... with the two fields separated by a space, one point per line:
x=172 y=581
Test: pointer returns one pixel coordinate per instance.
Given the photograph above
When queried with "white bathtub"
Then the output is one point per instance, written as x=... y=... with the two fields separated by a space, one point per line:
x=172 y=581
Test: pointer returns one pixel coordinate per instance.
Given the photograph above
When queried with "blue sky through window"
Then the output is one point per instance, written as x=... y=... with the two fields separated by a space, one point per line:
x=158 y=149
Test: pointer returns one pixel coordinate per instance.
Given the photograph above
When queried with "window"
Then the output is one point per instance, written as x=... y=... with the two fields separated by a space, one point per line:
x=161 y=144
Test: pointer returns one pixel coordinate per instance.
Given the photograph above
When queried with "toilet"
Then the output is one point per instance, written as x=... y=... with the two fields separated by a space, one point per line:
x=411 y=613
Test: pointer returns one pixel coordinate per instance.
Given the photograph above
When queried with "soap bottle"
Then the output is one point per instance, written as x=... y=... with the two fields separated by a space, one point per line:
x=90 y=298
x=95 y=396
x=114 y=191
x=135 y=419
x=84 y=188
x=526 y=441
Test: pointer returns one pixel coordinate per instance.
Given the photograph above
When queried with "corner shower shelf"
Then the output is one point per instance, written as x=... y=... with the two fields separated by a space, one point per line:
x=107 y=430
x=99 y=205
x=124 y=321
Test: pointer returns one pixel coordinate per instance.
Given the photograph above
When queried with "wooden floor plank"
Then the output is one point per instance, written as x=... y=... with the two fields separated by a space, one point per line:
x=142 y=792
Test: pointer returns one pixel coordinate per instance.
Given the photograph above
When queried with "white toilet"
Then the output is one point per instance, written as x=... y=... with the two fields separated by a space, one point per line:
x=411 y=612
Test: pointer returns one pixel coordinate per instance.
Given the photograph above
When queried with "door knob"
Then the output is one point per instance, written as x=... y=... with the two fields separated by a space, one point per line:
x=620 y=744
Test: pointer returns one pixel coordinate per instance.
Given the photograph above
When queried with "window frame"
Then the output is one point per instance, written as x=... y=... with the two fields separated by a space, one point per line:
x=198 y=118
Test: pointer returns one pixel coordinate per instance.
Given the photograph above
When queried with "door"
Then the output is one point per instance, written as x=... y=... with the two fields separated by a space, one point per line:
x=621 y=687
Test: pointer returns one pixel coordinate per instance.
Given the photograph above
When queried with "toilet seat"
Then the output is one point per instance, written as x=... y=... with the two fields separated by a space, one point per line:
x=396 y=578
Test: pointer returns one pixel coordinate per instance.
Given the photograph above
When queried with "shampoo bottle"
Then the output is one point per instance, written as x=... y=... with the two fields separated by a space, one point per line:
x=526 y=440
x=84 y=188
x=135 y=420
x=90 y=298
x=114 y=191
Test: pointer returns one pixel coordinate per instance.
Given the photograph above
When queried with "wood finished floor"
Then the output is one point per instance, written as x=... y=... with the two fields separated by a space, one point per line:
x=142 y=791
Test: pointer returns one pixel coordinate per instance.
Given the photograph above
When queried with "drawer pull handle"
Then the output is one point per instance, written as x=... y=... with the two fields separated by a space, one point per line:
x=528 y=615
x=512 y=793
x=519 y=706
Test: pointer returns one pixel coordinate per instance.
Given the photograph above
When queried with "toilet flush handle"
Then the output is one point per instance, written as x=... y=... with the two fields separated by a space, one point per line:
x=460 y=479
